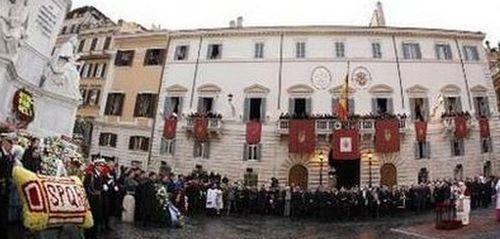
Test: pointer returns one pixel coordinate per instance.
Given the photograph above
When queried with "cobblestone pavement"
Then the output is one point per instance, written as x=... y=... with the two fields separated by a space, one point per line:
x=483 y=226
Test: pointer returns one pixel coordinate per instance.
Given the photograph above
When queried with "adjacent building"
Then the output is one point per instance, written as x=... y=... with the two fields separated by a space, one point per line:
x=123 y=128
x=494 y=63
x=268 y=74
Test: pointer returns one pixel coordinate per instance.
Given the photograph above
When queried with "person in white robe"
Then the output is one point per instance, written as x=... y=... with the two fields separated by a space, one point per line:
x=497 y=188
x=219 y=201
x=211 y=204
x=463 y=201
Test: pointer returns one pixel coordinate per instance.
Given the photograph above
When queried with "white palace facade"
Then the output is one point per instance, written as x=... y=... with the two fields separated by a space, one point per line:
x=242 y=73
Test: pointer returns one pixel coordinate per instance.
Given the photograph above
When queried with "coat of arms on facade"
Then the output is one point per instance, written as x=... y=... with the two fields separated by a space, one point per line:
x=361 y=77
x=387 y=135
x=321 y=78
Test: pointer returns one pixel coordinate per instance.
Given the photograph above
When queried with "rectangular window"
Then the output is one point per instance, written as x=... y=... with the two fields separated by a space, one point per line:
x=457 y=147
x=107 y=140
x=93 y=97
x=419 y=108
x=167 y=147
x=486 y=145
x=85 y=70
x=145 y=105
x=154 y=57
x=259 y=50
x=181 y=53
x=443 y=52
x=214 y=51
x=252 y=152
x=300 y=50
x=124 y=58
x=93 y=44
x=205 y=105
x=114 y=104
x=201 y=150
x=83 y=93
x=107 y=43
x=411 y=51
x=81 y=45
x=139 y=143
x=452 y=105
x=97 y=70
x=422 y=150
x=300 y=107
x=471 y=53
x=481 y=106
x=173 y=105
x=376 y=50
x=90 y=71
x=103 y=70
x=63 y=30
x=339 y=49
x=382 y=106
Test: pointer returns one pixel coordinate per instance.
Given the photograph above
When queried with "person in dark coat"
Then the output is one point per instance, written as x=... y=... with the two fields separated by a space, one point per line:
x=32 y=157
x=6 y=166
x=93 y=184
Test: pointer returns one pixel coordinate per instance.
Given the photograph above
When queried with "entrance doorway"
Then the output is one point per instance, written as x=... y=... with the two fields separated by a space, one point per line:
x=388 y=175
x=298 y=176
x=347 y=172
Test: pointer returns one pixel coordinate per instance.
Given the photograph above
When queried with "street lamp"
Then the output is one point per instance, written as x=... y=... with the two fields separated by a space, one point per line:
x=370 y=157
x=321 y=158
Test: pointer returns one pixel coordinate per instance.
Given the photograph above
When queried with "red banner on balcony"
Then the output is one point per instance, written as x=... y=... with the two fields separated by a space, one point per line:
x=387 y=136
x=460 y=127
x=484 y=127
x=345 y=144
x=169 y=128
x=254 y=130
x=201 y=128
x=421 y=131
x=302 y=137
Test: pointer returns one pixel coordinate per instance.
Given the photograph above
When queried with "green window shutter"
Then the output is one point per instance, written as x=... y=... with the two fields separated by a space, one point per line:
x=180 y=105
x=412 y=109
x=263 y=111
x=245 y=152
x=167 y=107
x=308 y=106
x=374 y=106
x=246 y=109
x=291 y=106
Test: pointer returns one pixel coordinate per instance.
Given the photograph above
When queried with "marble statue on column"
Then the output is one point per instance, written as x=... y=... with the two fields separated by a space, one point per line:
x=14 y=18
x=61 y=75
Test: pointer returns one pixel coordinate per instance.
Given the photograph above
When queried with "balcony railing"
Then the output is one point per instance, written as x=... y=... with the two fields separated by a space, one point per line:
x=327 y=126
x=214 y=124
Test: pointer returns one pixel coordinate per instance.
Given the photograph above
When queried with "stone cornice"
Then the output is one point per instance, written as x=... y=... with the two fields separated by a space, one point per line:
x=328 y=30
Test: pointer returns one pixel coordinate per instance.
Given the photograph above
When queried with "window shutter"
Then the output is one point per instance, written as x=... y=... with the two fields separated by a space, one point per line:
x=113 y=140
x=103 y=71
x=131 y=143
x=291 y=106
x=220 y=51
x=428 y=149
x=458 y=103
x=120 y=98
x=352 y=107
x=419 y=53
x=449 y=52
x=163 y=146
x=374 y=51
x=412 y=109
x=406 y=51
x=415 y=150
x=259 y=152
x=206 y=150
x=462 y=148
x=195 y=149
x=426 y=109
x=263 y=111
x=436 y=48
x=487 y=106
x=167 y=107
x=374 y=106
x=335 y=105
x=137 y=107
x=101 y=139
x=172 y=146
x=145 y=144
x=309 y=106
x=245 y=152
x=466 y=53
x=200 y=105
x=390 y=106
x=179 y=106
x=246 y=109
x=452 y=148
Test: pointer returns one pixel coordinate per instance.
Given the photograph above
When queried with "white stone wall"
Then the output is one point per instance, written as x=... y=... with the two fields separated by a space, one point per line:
x=237 y=70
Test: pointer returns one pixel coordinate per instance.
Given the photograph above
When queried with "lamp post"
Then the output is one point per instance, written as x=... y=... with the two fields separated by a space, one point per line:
x=321 y=159
x=370 y=157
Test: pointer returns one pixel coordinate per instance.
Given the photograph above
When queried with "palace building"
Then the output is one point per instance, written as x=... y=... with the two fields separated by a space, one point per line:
x=421 y=104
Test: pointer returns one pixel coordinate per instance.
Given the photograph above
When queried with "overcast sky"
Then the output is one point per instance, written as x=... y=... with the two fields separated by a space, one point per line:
x=476 y=15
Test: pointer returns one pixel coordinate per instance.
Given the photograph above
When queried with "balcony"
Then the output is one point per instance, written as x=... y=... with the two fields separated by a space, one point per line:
x=214 y=124
x=327 y=126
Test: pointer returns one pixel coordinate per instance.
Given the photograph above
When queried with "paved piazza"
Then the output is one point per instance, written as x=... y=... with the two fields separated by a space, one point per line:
x=414 y=227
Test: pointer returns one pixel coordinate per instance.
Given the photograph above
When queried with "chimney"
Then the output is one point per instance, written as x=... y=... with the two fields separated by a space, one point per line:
x=232 y=24
x=239 y=22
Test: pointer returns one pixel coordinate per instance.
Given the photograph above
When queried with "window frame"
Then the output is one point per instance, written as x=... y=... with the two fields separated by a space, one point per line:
x=340 y=51
x=300 y=49
x=259 y=48
x=443 y=51
x=461 y=145
x=150 y=53
x=412 y=51
x=139 y=143
x=178 y=51
x=201 y=150
x=210 y=51
x=149 y=112
x=113 y=96
x=124 y=63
